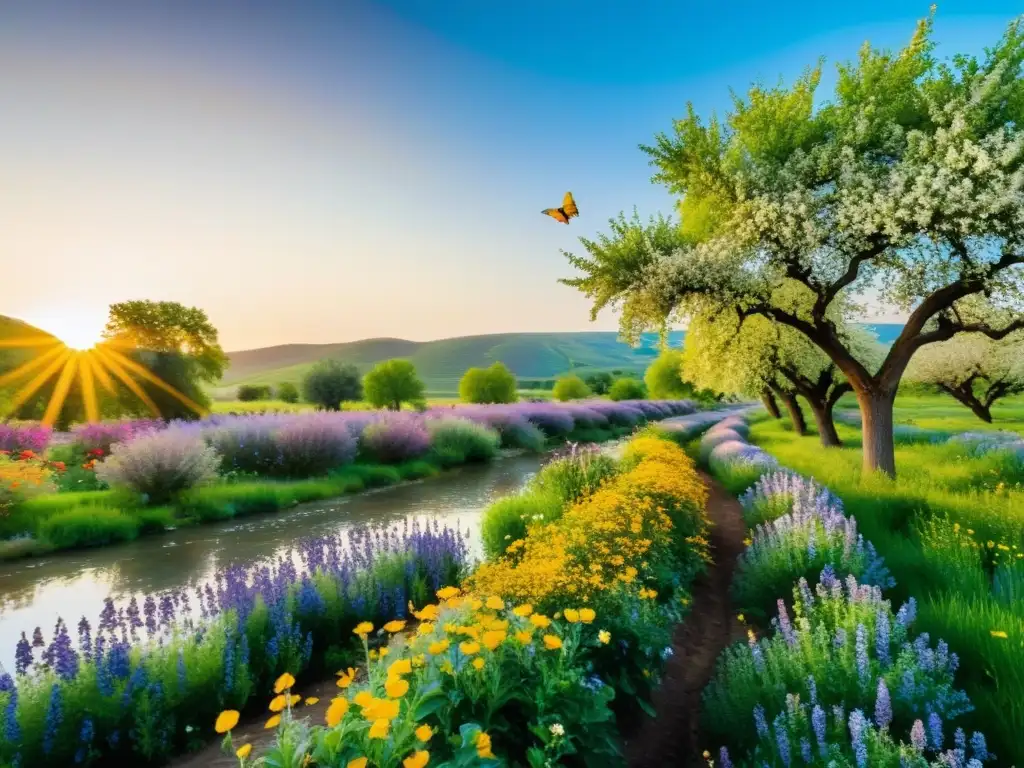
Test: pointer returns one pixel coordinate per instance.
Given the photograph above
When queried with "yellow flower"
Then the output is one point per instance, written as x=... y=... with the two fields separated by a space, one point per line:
x=447 y=593
x=478 y=663
x=277 y=704
x=363 y=699
x=417 y=759
x=226 y=720
x=427 y=613
x=998 y=633
x=495 y=603
x=336 y=711
x=346 y=679
x=373 y=654
x=394 y=626
x=475 y=604
x=522 y=611
x=524 y=637
x=294 y=699
x=284 y=682
x=706 y=755
x=400 y=667
x=572 y=615
x=384 y=652
x=272 y=722
x=363 y=628
x=587 y=615
x=493 y=639
x=381 y=709
x=243 y=751
x=469 y=648
x=741 y=618
x=359 y=762
x=425 y=628
x=424 y=732
x=552 y=642
x=439 y=647
x=970 y=531
x=540 y=621
x=396 y=687
x=496 y=624
x=310 y=701
x=471 y=631
x=483 y=745
x=380 y=728
x=604 y=636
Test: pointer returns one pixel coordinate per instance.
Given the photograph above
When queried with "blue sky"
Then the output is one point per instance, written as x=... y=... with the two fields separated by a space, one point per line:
x=326 y=171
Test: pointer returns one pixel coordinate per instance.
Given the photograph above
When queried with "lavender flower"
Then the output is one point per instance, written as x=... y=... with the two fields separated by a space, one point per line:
x=818 y=723
x=858 y=726
x=979 y=747
x=723 y=758
x=917 y=739
x=782 y=740
x=863 y=666
x=54 y=718
x=935 y=737
x=760 y=722
x=883 y=705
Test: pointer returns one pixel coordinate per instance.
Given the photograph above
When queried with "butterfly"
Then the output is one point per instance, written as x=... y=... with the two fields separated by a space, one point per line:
x=566 y=212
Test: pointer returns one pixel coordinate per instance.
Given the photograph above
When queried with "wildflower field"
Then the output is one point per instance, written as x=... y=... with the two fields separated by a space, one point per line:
x=530 y=659
x=110 y=482
x=840 y=673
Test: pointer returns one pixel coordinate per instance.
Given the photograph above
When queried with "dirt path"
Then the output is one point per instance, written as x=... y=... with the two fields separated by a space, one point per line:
x=673 y=739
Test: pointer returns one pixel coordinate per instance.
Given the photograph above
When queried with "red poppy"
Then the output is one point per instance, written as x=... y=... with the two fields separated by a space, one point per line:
x=27 y=454
x=96 y=452
x=60 y=466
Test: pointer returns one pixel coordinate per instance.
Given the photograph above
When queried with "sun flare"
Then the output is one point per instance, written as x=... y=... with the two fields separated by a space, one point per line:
x=79 y=331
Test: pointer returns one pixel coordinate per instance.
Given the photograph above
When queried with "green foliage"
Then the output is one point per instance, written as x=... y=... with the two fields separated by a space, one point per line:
x=494 y=384
x=627 y=389
x=506 y=519
x=461 y=441
x=330 y=383
x=664 y=377
x=570 y=388
x=599 y=383
x=287 y=392
x=89 y=526
x=577 y=474
x=248 y=393
x=391 y=383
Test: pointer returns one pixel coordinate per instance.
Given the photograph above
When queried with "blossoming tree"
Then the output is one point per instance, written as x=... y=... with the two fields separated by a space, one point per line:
x=974 y=369
x=908 y=182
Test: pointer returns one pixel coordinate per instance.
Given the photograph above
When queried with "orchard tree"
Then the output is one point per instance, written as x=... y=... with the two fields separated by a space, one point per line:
x=392 y=383
x=494 y=384
x=287 y=392
x=909 y=181
x=974 y=369
x=329 y=383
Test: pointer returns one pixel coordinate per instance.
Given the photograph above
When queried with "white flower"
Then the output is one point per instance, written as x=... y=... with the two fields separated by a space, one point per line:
x=558 y=729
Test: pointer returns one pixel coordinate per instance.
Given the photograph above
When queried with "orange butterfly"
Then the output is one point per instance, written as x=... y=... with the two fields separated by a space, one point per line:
x=566 y=212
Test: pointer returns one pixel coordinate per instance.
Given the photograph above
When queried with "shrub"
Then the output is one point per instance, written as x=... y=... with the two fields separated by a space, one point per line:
x=577 y=473
x=516 y=431
x=627 y=389
x=570 y=388
x=313 y=445
x=599 y=383
x=395 y=438
x=160 y=465
x=248 y=393
x=715 y=437
x=89 y=526
x=461 y=441
x=287 y=392
x=391 y=383
x=329 y=383
x=29 y=437
x=506 y=519
x=551 y=420
x=619 y=414
x=494 y=384
x=664 y=377
x=96 y=438
x=245 y=445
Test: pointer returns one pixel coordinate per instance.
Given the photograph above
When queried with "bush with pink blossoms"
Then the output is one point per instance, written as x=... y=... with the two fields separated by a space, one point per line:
x=314 y=445
x=99 y=436
x=394 y=438
x=160 y=464
x=24 y=437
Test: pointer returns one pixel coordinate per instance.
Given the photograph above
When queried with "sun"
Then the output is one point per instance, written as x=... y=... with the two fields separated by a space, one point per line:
x=77 y=330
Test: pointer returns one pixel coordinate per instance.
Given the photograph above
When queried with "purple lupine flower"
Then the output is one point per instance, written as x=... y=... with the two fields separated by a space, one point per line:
x=882 y=637
x=85 y=737
x=840 y=638
x=54 y=718
x=723 y=758
x=85 y=637
x=979 y=747
x=108 y=616
x=917 y=740
x=805 y=750
x=863 y=665
x=758 y=656
x=883 y=705
x=65 y=659
x=812 y=688
x=12 y=730
x=784 y=623
x=858 y=725
x=37 y=638
x=960 y=739
x=782 y=740
x=935 y=737
x=974 y=763
x=760 y=721
x=23 y=655
x=818 y=723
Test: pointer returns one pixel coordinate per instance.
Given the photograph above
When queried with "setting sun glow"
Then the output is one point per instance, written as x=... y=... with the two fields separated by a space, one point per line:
x=78 y=331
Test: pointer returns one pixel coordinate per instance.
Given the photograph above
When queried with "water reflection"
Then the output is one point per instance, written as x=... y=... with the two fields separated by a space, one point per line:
x=35 y=592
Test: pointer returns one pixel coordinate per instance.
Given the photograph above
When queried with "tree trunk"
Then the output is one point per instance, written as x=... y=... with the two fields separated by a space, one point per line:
x=876 y=429
x=966 y=397
x=980 y=410
x=770 y=405
x=795 y=414
x=826 y=425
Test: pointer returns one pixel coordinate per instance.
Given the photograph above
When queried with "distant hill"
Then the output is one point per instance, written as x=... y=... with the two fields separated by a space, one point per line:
x=441 y=363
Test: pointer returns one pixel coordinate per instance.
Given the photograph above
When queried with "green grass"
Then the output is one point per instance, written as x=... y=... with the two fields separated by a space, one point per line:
x=912 y=521
x=942 y=412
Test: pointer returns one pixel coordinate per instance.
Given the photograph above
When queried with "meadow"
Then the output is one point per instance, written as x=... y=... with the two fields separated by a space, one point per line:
x=949 y=529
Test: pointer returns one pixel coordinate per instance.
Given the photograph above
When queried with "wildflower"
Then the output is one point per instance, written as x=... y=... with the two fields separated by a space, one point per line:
x=243 y=751
x=552 y=642
x=447 y=593
x=381 y=709
x=277 y=704
x=998 y=633
x=917 y=740
x=336 y=711
x=572 y=615
x=469 y=648
x=424 y=733
x=362 y=629
x=346 y=678
x=782 y=739
x=540 y=621
x=524 y=637
x=284 y=682
x=495 y=603
x=818 y=723
x=438 y=647
x=363 y=699
x=226 y=721
x=310 y=701
x=427 y=613
x=483 y=745
x=417 y=759
x=380 y=729
x=394 y=626
x=604 y=636
x=935 y=731
x=883 y=705
x=760 y=722
x=522 y=611
x=723 y=758
x=400 y=667
x=478 y=663
x=740 y=617
x=272 y=723
x=359 y=762
x=396 y=687
x=587 y=615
